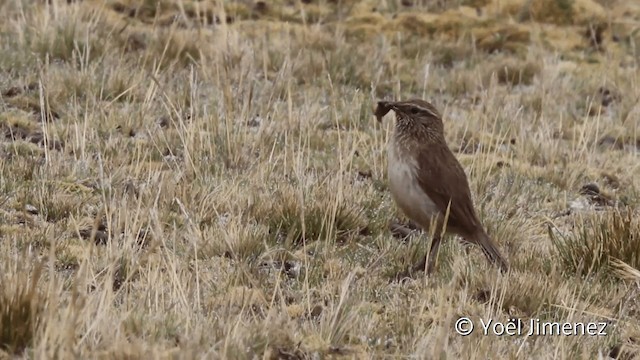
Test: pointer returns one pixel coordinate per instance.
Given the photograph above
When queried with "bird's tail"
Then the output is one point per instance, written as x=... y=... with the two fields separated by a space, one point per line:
x=490 y=250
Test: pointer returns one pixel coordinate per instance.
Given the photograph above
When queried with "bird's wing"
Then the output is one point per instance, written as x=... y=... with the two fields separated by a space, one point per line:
x=447 y=183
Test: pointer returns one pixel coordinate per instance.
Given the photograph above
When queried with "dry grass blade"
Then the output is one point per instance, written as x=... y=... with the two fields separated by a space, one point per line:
x=625 y=271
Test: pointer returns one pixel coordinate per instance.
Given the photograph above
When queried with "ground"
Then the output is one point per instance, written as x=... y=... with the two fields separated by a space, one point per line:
x=206 y=179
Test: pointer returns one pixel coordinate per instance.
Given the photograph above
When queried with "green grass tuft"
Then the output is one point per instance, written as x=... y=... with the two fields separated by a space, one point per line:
x=599 y=238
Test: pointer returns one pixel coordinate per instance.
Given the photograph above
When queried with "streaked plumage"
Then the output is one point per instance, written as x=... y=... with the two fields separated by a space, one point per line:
x=426 y=179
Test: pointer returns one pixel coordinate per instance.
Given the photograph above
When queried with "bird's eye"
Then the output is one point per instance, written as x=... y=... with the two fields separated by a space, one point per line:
x=414 y=111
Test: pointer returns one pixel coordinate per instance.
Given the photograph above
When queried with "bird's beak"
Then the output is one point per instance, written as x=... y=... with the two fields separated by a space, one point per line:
x=383 y=108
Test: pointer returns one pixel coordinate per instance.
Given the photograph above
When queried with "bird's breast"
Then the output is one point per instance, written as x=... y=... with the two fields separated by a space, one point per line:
x=405 y=189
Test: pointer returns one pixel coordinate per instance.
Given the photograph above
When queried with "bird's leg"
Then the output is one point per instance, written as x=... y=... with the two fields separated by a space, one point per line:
x=433 y=254
x=428 y=259
x=411 y=269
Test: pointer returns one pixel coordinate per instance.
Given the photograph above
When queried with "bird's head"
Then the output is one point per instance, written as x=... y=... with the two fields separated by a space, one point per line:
x=415 y=115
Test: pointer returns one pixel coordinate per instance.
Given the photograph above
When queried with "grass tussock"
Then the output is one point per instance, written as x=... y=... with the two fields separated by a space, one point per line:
x=316 y=218
x=21 y=308
x=598 y=240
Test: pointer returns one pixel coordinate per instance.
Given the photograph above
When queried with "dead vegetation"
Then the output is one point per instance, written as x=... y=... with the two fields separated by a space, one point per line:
x=201 y=178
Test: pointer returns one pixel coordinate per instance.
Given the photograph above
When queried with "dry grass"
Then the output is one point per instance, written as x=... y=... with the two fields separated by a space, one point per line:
x=203 y=179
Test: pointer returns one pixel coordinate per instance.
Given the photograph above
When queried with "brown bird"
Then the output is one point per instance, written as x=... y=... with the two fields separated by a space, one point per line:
x=428 y=183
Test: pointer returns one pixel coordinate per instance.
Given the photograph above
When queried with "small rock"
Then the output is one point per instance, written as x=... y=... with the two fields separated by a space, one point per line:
x=482 y=296
x=579 y=204
x=255 y=122
x=595 y=196
x=363 y=175
x=164 y=122
x=171 y=158
x=316 y=311
x=291 y=268
x=590 y=189
x=31 y=209
x=223 y=219
x=12 y=91
x=101 y=237
x=607 y=96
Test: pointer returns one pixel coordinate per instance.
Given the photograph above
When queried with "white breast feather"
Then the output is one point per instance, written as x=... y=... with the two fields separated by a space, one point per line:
x=405 y=189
